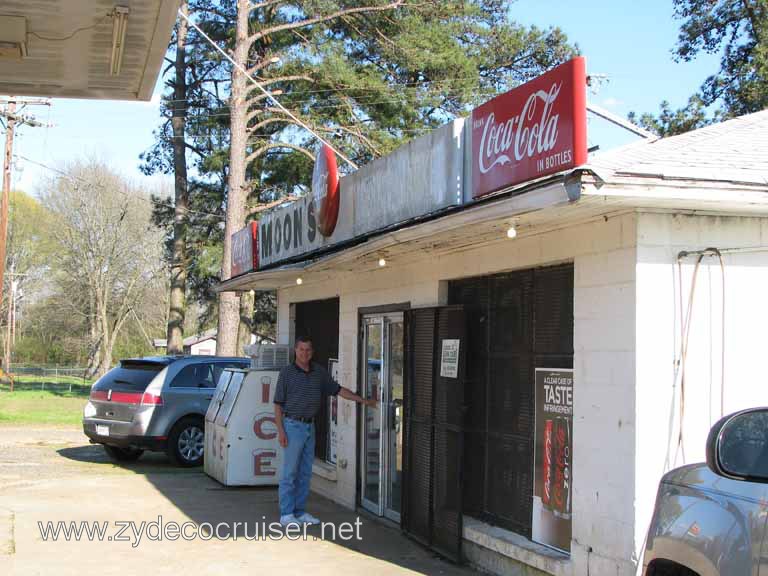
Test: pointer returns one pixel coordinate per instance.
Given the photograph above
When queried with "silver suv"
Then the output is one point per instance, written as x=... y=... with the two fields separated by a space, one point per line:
x=710 y=519
x=155 y=403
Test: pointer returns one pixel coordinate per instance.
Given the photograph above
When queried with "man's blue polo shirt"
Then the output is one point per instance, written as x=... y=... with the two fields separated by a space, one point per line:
x=300 y=392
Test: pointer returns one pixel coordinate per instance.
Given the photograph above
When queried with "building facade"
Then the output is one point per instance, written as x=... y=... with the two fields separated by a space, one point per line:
x=542 y=353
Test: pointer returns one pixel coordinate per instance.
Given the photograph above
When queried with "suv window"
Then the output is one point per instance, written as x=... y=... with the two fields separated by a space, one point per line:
x=199 y=375
x=132 y=376
x=219 y=367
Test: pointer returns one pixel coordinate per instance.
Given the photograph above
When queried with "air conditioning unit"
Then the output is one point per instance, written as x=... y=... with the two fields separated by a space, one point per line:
x=268 y=356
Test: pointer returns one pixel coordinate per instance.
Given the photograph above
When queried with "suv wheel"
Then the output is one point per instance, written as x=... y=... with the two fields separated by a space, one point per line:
x=186 y=441
x=123 y=454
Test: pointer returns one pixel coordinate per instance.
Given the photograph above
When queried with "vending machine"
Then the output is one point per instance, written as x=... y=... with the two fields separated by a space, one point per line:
x=241 y=447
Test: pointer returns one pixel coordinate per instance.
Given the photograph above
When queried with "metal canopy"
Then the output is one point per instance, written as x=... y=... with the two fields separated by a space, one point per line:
x=69 y=47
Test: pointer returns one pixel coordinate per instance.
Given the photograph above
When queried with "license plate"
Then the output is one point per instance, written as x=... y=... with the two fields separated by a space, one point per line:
x=102 y=430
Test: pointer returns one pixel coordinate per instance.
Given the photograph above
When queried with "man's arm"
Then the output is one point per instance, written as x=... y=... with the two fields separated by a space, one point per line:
x=349 y=395
x=281 y=395
x=281 y=437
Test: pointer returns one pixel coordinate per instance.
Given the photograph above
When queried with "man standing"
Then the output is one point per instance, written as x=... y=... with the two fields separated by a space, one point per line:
x=301 y=387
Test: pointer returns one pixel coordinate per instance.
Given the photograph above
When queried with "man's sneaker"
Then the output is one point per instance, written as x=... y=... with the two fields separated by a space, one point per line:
x=307 y=518
x=287 y=519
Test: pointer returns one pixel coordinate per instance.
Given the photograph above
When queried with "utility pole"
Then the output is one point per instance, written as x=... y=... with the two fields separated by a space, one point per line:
x=12 y=120
x=10 y=128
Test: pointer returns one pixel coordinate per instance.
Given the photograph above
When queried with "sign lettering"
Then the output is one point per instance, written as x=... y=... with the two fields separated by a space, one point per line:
x=534 y=130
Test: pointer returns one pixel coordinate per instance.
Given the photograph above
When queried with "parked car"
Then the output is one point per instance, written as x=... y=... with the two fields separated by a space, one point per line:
x=155 y=403
x=710 y=519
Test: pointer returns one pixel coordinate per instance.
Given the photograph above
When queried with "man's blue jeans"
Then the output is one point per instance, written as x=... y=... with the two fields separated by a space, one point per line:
x=297 y=466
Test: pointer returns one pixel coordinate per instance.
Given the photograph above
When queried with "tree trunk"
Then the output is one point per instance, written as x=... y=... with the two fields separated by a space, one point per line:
x=106 y=341
x=177 y=304
x=229 y=307
x=245 y=328
x=94 y=343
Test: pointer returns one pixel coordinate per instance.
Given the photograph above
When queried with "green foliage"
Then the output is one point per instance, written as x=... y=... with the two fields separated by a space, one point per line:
x=738 y=30
x=671 y=122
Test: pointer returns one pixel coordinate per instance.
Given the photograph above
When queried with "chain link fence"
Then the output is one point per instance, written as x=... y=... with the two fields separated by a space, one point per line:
x=54 y=378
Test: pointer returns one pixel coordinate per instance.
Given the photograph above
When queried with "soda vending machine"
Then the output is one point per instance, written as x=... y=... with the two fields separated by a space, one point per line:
x=241 y=446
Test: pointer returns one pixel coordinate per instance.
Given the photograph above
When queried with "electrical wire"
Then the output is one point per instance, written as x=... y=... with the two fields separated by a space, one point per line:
x=72 y=35
x=266 y=92
x=685 y=329
x=167 y=204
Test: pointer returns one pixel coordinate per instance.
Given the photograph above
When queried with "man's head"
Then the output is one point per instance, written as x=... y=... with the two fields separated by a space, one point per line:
x=303 y=349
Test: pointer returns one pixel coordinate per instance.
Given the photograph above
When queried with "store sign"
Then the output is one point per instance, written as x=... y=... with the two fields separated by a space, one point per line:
x=553 y=459
x=265 y=456
x=537 y=129
x=325 y=190
x=245 y=249
x=419 y=178
x=449 y=359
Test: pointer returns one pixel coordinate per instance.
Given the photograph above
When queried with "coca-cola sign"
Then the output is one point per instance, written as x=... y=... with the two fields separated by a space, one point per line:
x=325 y=189
x=245 y=249
x=536 y=129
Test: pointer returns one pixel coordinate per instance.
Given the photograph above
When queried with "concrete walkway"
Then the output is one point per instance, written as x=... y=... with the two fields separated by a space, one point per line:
x=54 y=475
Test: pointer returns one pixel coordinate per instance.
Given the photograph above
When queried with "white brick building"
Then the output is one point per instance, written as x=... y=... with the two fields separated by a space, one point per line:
x=599 y=279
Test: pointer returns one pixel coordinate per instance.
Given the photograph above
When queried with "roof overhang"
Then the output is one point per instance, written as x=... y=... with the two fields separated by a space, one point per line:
x=486 y=221
x=549 y=205
x=70 y=51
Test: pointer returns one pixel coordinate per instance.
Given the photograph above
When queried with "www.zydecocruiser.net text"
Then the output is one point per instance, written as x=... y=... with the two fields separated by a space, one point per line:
x=160 y=530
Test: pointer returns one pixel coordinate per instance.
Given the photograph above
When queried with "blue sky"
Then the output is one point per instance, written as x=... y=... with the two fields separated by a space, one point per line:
x=629 y=41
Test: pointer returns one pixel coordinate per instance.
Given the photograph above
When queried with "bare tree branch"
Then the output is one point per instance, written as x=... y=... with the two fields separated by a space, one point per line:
x=272 y=145
x=318 y=19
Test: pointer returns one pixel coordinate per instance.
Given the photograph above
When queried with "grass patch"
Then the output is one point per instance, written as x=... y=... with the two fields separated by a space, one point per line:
x=58 y=388
x=48 y=407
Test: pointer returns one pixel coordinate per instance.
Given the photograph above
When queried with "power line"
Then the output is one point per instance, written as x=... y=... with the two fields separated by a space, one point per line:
x=266 y=92
x=167 y=204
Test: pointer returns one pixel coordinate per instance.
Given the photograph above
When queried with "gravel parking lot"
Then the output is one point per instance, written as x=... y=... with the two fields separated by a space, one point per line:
x=53 y=474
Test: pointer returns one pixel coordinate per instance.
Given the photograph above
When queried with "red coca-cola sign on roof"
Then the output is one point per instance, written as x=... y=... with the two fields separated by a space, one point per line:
x=537 y=129
x=325 y=189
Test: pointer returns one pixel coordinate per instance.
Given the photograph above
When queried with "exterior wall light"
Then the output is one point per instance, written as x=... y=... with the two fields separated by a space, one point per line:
x=119 y=26
x=511 y=232
x=299 y=281
x=382 y=262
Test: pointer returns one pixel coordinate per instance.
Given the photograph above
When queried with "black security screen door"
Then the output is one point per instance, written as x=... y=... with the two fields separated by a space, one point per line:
x=434 y=443
x=516 y=322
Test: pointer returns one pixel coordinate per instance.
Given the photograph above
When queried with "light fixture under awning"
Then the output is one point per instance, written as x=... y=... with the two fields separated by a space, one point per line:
x=264 y=280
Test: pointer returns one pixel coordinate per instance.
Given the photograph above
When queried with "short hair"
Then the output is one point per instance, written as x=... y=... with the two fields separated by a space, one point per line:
x=302 y=339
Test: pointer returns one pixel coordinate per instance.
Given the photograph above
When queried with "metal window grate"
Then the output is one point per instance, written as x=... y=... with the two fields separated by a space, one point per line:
x=515 y=322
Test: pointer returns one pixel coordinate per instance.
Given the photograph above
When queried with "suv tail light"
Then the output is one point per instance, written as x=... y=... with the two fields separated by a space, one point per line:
x=152 y=396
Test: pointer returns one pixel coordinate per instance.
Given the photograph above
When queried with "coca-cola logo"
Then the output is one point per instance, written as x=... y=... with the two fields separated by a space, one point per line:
x=534 y=130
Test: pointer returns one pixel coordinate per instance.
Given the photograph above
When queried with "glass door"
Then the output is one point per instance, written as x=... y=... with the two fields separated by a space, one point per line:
x=395 y=372
x=382 y=442
x=371 y=445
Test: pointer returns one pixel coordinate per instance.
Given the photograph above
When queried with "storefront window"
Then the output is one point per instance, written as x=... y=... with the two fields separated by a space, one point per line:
x=515 y=323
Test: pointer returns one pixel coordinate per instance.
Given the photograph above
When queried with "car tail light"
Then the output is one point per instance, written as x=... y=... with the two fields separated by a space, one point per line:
x=151 y=396
x=98 y=395
x=151 y=399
